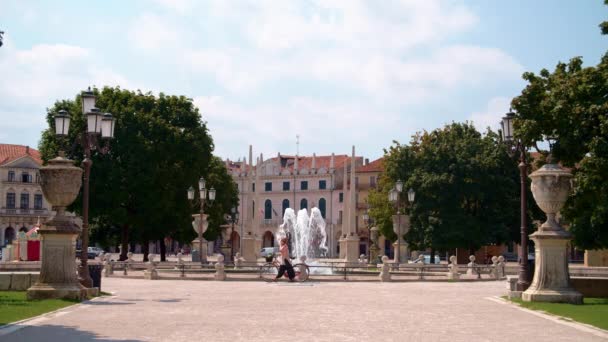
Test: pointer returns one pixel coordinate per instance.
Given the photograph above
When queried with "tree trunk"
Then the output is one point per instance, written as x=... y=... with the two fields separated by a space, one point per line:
x=146 y=249
x=124 y=242
x=163 y=250
x=432 y=261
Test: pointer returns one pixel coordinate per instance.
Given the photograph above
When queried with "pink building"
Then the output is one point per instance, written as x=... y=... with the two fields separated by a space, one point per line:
x=288 y=181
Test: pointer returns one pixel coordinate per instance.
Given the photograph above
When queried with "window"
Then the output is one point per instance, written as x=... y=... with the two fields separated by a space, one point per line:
x=25 y=201
x=322 y=206
x=372 y=181
x=285 y=206
x=26 y=177
x=340 y=217
x=322 y=184
x=341 y=197
x=37 y=178
x=252 y=208
x=285 y=186
x=38 y=201
x=267 y=209
x=10 y=200
x=304 y=185
x=252 y=187
x=303 y=204
x=11 y=176
x=268 y=186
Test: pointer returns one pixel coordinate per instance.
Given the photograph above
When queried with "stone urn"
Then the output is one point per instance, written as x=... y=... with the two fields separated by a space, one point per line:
x=200 y=243
x=61 y=182
x=551 y=186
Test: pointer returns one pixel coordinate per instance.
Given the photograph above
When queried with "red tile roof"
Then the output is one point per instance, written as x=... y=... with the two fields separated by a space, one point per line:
x=9 y=153
x=375 y=166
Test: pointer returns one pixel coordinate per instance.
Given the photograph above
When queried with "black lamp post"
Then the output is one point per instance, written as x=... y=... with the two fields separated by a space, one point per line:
x=368 y=221
x=97 y=124
x=203 y=197
x=515 y=146
x=233 y=218
x=394 y=197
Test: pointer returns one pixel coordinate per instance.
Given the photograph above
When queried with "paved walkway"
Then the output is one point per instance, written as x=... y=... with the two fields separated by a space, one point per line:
x=175 y=310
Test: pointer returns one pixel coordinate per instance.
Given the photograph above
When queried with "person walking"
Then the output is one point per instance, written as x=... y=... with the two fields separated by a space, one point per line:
x=285 y=262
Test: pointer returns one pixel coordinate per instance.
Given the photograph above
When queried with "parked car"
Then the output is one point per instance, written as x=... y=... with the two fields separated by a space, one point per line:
x=268 y=250
x=427 y=259
x=95 y=250
x=90 y=255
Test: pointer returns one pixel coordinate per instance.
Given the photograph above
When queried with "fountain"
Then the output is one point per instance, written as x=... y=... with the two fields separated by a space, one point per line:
x=307 y=234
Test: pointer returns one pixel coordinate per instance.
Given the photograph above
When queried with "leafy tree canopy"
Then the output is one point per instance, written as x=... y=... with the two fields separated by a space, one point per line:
x=161 y=148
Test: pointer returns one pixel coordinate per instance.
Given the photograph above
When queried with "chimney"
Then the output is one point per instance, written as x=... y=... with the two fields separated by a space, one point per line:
x=27 y=150
x=366 y=161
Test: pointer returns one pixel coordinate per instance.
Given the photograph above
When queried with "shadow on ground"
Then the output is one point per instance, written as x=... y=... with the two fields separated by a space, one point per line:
x=55 y=333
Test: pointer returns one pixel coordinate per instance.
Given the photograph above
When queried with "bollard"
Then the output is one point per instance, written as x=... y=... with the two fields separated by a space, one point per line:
x=385 y=274
x=219 y=268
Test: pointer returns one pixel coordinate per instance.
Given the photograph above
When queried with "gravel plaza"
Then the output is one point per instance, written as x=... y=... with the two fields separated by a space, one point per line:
x=178 y=310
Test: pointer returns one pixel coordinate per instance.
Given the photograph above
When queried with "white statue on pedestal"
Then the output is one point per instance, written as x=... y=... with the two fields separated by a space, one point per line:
x=453 y=274
x=384 y=271
x=220 y=274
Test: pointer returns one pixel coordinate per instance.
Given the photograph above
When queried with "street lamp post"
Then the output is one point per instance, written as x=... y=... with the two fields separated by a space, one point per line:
x=394 y=196
x=203 y=197
x=97 y=124
x=368 y=221
x=234 y=218
x=516 y=146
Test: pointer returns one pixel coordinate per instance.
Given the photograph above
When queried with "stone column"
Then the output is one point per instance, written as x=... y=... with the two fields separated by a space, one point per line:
x=61 y=182
x=350 y=244
x=401 y=225
x=551 y=283
x=196 y=243
x=249 y=251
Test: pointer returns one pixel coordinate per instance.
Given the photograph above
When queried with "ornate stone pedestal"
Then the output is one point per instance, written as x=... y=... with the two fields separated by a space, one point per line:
x=350 y=246
x=61 y=181
x=401 y=225
x=551 y=283
x=200 y=228
x=196 y=245
x=249 y=250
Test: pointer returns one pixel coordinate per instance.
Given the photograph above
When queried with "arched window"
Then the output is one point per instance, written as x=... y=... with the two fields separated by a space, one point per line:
x=285 y=205
x=268 y=209
x=303 y=204
x=322 y=206
x=9 y=235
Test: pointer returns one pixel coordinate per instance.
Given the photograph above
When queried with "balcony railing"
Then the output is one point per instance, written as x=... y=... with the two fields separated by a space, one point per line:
x=19 y=211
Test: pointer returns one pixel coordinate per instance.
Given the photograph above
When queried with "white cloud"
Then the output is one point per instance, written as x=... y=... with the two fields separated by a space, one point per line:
x=150 y=31
x=33 y=79
x=492 y=114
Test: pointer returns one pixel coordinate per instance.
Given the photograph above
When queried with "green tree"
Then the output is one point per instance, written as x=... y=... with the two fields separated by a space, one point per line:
x=465 y=183
x=161 y=147
x=570 y=104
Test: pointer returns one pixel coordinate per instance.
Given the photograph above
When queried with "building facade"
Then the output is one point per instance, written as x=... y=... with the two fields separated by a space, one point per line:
x=269 y=187
x=22 y=203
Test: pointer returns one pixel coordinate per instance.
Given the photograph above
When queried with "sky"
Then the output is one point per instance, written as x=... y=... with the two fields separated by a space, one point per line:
x=336 y=73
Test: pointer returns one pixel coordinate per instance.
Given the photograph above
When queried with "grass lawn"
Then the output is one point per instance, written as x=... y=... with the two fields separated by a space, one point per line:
x=594 y=311
x=14 y=306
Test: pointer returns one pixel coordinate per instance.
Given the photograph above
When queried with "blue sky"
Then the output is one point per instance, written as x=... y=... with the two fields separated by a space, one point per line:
x=336 y=72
